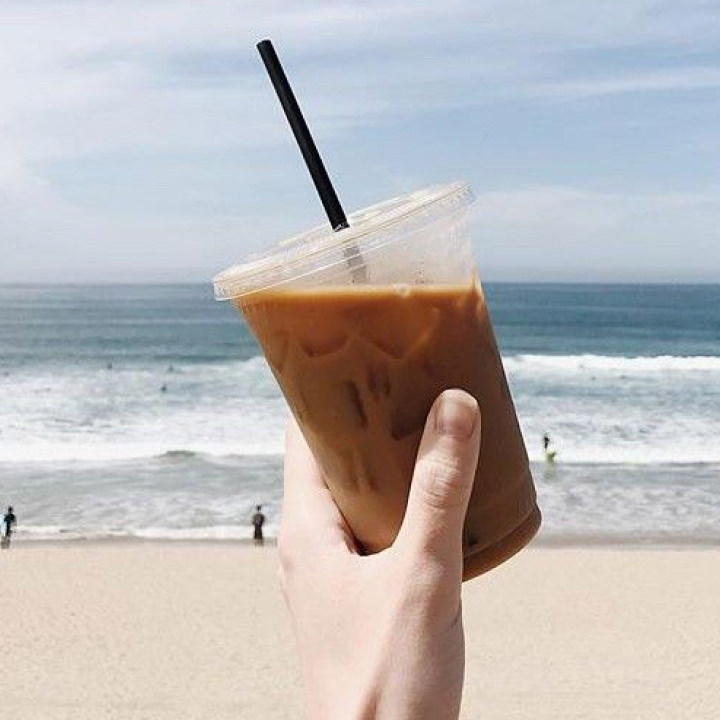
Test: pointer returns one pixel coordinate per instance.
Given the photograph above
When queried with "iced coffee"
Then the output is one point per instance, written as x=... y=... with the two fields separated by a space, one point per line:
x=361 y=365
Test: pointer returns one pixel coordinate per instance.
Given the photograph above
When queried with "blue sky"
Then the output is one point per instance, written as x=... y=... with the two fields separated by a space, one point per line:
x=142 y=140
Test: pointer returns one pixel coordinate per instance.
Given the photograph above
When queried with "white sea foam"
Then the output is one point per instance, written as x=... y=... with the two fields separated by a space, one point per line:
x=607 y=451
x=607 y=363
x=41 y=532
x=97 y=452
x=212 y=532
x=72 y=413
x=597 y=409
x=614 y=453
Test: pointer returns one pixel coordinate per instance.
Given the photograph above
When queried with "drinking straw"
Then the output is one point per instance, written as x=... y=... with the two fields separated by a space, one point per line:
x=304 y=139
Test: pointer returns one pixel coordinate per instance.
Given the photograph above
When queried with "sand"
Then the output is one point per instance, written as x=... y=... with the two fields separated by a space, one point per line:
x=152 y=630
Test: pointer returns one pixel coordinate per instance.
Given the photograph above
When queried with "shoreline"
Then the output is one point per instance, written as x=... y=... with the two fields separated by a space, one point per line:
x=579 y=542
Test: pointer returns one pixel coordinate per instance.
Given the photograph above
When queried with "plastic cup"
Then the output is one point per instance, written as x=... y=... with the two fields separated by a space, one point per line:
x=363 y=329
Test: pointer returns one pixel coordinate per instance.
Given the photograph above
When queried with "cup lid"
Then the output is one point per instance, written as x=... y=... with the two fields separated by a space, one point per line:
x=321 y=247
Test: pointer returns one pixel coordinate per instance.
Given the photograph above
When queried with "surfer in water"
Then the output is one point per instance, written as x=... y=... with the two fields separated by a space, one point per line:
x=258 y=520
x=549 y=452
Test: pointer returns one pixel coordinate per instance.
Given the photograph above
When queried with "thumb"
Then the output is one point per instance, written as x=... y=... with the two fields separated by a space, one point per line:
x=443 y=477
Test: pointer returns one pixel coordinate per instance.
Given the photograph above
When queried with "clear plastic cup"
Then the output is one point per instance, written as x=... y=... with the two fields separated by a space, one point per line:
x=363 y=329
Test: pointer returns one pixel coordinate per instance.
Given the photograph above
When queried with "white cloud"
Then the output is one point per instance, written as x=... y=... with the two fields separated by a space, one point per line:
x=86 y=79
x=82 y=77
x=535 y=233
x=564 y=233
x=692 y=78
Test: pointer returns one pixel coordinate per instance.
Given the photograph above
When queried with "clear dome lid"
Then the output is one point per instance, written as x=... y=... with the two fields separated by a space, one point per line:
x=322 y=249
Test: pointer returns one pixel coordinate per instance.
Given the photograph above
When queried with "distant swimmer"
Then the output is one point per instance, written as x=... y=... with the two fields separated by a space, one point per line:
x=549 y=452
x=163 y=388
x=171 y=368
x=9 y=522
x=109 y=366
x=258 y=520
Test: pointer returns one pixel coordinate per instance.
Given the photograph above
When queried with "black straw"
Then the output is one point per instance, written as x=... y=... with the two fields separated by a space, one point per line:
x=309 y=150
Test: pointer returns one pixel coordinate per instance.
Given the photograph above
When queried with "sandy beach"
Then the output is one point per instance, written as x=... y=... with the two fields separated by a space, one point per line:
x=188 y=630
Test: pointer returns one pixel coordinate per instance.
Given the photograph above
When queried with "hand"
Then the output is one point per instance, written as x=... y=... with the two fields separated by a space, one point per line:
x=381 y=636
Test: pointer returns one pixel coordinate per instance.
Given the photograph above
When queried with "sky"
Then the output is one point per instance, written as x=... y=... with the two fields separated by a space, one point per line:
x=142 y=141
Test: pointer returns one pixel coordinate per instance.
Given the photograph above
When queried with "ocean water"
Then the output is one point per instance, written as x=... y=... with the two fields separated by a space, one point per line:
x=625 y=379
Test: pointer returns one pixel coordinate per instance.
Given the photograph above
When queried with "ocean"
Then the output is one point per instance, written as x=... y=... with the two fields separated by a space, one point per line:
x=147 y=411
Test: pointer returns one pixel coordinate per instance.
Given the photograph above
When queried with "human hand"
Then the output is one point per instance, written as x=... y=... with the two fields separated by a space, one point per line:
x=381 y=636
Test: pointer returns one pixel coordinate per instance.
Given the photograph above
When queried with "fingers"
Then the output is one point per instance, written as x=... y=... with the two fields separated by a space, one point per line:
x=443 y=478
x=308 y=508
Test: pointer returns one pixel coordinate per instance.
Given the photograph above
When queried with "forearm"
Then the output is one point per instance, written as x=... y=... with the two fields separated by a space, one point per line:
x=404 y=688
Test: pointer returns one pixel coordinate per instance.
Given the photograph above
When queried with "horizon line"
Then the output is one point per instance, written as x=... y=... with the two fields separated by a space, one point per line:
x=176 y=283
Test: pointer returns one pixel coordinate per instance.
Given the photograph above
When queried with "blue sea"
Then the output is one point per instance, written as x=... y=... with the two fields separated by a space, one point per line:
x=148 y=411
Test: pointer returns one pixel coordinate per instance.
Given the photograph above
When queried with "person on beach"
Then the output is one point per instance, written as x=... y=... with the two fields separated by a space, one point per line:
x=396 y=645
x=258 y=520
x=9 y=521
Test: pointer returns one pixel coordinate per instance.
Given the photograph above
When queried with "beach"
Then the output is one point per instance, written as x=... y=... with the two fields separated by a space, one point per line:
x=154 y=630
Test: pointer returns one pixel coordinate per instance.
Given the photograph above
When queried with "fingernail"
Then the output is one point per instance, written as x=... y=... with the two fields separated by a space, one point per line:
x=456 y=414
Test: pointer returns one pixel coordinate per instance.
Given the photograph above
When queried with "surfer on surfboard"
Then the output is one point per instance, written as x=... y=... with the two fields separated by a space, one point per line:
x=549 y=453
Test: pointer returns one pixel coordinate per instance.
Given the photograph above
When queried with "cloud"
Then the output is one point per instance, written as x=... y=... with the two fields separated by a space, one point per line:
x=552 y=233
x=173 y=83
x=561 y=233
x=86 y=77
x=691 y=78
